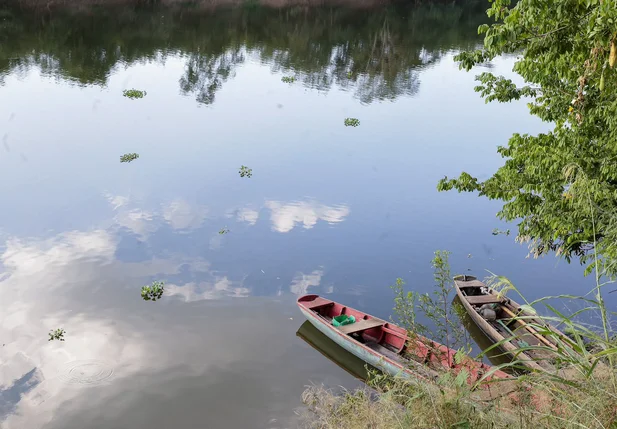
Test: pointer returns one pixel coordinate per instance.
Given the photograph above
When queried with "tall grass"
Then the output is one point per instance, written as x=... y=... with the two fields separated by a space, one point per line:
x=391 y=403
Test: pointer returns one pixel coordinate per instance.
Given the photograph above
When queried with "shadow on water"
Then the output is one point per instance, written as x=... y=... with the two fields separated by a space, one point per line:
x=342 y=358
x=375 y=53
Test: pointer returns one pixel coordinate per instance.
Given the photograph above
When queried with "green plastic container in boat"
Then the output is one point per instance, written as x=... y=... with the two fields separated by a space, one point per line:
x=343 y=319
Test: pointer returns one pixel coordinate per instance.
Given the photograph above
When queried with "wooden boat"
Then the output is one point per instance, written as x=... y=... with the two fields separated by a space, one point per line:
x=388 y=347
x=500 y=318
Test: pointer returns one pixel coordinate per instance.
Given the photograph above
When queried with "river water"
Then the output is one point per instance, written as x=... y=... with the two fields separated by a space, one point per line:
x=329 y=209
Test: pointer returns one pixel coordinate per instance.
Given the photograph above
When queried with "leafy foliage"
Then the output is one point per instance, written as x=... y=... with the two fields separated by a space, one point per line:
x=245 y=171
x=134 y=94
x=56 y=334
x=405 y=304
x=128 y=157
x=560 y=185
x=437 y=307
x=153 y=291
x=288 y=79
x=352 y=122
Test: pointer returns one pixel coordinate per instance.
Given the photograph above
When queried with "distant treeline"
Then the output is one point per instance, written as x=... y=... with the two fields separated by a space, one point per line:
x=209 y=4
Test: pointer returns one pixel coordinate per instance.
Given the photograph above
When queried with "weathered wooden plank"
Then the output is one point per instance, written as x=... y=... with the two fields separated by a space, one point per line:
x=362 y=325
x=484 y=299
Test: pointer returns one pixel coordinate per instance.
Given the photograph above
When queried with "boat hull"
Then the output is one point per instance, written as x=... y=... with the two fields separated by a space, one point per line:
x=380 y=362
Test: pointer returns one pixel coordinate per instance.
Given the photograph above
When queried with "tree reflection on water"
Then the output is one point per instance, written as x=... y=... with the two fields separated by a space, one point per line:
x=375 y=53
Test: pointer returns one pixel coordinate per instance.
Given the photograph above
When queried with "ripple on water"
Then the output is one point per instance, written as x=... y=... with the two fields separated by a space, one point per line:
x=88 y=372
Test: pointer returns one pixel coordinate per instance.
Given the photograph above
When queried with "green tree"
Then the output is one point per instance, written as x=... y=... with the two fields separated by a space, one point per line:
x=561 y=186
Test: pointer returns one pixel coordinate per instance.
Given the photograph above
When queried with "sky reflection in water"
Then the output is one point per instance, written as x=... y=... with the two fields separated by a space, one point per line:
x=329 y=209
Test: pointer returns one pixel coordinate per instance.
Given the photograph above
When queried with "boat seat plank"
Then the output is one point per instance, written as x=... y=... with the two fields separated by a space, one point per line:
x=317 y=302
x=362 y=325
x=484 y=299
x=471 y=285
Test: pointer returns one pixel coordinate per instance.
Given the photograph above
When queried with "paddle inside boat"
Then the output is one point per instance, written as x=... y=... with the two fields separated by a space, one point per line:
x=502 y=318
x=387 y=346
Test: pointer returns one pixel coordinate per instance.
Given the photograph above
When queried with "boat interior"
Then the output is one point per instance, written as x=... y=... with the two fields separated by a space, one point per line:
x=375 y=333
x=500 y=312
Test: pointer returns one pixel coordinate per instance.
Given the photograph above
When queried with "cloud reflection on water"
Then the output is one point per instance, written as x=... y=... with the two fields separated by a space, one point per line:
x=302 y=282
x=285 y=216
x=51 y=283
x=76 y=280
x=193 y=291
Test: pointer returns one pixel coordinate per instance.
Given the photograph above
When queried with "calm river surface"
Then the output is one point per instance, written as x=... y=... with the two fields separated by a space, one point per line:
x=329 y=209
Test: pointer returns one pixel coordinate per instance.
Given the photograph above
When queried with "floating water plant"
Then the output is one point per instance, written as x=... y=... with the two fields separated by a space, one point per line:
x=153 y=291
x=352 y=122
x=56 y=334
x=134 y=94
x=128 y=157
x=245 y=171
x=288 y=79
x=498 y=231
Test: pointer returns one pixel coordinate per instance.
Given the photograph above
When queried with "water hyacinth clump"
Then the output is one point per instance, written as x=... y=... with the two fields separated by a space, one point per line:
x=352 y=122
x=153 y=291
x=245 y=171
x=56 y=334
x=128 y=157
x=497 y=231
x=134 y=94
x=288 y=79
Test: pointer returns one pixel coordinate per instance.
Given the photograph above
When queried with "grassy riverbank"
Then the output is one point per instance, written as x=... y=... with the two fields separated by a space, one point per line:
x=585 y=403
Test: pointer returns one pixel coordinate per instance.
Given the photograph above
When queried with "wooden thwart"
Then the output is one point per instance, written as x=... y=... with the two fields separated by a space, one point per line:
x=318 y=302
x=361 y=325
x=484 y=299
x=471 y=284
